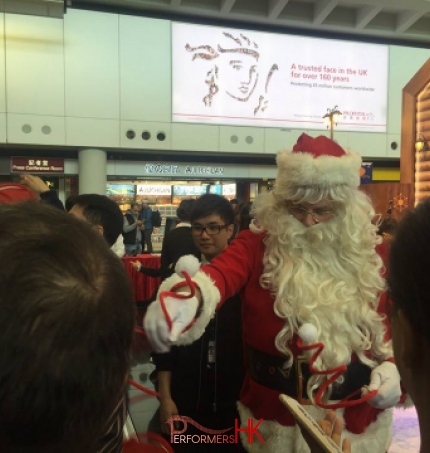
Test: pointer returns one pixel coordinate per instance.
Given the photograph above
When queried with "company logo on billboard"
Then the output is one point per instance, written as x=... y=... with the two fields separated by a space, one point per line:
x=37 y=165
x=212 y=436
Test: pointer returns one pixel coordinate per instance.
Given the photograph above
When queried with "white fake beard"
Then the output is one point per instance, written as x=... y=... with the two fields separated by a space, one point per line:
x=317 y=279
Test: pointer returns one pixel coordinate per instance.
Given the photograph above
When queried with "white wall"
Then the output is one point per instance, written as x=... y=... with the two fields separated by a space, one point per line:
x=34 y=80
x=89 y=79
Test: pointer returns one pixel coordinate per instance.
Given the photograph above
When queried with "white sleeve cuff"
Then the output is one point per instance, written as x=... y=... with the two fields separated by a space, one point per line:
x=210 y=296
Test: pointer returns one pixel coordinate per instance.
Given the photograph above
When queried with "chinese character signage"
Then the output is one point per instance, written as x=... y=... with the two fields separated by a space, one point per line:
x=37 y=165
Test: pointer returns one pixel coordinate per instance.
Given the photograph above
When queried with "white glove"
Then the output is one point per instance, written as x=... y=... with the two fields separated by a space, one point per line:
x=384 y=378
x=181 y=312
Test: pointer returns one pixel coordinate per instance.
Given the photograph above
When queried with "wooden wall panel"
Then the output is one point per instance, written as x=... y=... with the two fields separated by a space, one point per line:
x=415 y=121
x=422 y=159
x=382 y=193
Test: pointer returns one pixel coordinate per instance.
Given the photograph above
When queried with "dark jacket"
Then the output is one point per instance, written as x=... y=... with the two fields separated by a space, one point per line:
x=130 y=237
x=197 y=385
x=51 y=197
x=176 y=243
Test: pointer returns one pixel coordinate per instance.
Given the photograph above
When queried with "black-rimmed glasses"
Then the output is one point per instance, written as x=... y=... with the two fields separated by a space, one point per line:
x=212 y=229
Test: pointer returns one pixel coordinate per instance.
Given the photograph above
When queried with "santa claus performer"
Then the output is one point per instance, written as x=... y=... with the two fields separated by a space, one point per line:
x=311 y=281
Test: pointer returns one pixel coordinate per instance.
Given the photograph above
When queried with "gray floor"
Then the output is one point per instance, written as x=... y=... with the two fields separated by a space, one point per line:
x=406 y=434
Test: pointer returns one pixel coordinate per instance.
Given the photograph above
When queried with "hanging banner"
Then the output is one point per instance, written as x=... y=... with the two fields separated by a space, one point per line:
x=238 y=77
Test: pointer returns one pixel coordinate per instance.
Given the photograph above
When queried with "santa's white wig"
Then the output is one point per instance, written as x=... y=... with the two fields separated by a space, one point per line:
x=327 y=275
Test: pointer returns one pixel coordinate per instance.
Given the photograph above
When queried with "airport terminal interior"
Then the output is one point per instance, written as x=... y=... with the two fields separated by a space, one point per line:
x=160 y=101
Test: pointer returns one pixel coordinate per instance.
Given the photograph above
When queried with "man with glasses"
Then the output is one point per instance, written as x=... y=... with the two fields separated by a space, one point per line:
x=203 y=380
x=309 y=275
x=311 y=214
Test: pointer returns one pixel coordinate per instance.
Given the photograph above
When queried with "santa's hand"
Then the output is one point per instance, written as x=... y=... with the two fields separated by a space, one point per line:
x=385 y=379
x=181 y=312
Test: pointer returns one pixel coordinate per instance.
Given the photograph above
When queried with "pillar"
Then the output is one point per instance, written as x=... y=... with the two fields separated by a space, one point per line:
x=92 y=171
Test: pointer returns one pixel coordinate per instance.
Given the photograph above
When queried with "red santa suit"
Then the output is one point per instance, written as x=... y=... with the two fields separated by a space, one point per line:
x=239 y=270
x=242 y=267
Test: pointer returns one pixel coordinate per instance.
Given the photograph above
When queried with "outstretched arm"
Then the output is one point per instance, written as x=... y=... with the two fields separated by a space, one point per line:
x=223 y=278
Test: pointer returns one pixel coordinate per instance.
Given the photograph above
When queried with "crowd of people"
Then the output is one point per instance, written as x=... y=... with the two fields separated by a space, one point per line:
x=289 y=296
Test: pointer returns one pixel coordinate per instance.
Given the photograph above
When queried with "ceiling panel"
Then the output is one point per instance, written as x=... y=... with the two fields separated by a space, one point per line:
x=399 y=20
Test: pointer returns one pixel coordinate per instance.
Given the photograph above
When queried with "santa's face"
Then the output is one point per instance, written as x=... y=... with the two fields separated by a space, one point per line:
x=311 y=214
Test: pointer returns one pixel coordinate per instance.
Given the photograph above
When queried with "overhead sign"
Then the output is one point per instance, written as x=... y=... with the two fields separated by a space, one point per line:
x=229 y=189
x=185 y=170
x=125 y=171
x=149 y=189
x=240 y=77
x=39 y=165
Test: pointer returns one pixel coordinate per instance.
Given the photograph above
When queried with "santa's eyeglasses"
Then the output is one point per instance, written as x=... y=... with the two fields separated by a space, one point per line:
x=320 y=214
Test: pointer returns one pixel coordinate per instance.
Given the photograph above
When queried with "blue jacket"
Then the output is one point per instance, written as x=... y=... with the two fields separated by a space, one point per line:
x=146 y=215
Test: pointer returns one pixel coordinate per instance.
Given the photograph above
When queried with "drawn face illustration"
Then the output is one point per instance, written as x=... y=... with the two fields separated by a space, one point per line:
x=234 y=70
x=238 y=76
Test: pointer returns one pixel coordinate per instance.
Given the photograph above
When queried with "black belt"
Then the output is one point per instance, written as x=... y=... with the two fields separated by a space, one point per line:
x=267 y=370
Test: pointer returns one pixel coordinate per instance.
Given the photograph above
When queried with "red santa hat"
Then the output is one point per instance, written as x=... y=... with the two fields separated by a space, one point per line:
x=317 y=162
x=14 y=193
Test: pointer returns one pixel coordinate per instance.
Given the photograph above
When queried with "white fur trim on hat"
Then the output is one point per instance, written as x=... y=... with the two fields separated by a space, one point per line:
x=211 y=297
x=303 y=169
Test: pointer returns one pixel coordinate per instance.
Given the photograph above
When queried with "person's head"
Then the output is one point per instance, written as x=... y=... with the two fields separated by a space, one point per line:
x=101 y=212
x=316 y=189
x=387 y=228
x=245 y=216
x=136 y=208
x=70 y=202
x=66 y=331
x=184 y=210
x=234 y=202
x=320 y=247
x=212 y=224
x=145 y=204
x=408 y=283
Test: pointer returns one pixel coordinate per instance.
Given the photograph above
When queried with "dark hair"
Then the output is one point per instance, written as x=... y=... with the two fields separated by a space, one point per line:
x=409 y=267
x=388 y=225
x=210 y=204
x=245 y=216
x=66 y=329
x=70 y=202
x=101 y=210
x=184 y=209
